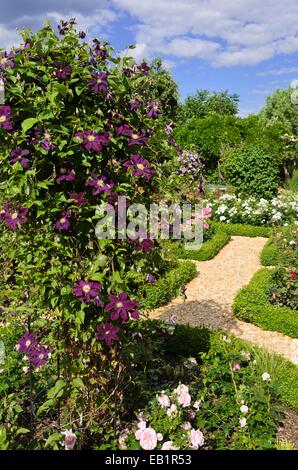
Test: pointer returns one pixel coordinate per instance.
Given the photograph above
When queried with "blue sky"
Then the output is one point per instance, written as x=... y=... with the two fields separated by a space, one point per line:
x=246 y=46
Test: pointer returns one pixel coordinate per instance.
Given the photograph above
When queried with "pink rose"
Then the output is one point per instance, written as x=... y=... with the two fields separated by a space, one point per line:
x=164 y=400
x=236 y=367
x=196 y=438
x=69 y=439
x=148 y=440
x=168 y=446
x=184 y=399
x=140 y=430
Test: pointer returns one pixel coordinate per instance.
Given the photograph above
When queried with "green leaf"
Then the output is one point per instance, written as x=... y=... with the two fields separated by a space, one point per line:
x=57 y=390
x=28 y=123
x=78 y=383
x=22 y=431
x=45 y=406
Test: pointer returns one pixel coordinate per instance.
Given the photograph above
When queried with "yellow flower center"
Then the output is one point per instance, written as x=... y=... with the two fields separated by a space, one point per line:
x=63 y=220
x=2 y=118
x=47 y=136
x=28 y=342
x=41 y=356
x=119 y=305
x=3 y=60
x=14 y=215
x=107 y=332
x=135 y=136
x=91 y=138
x=100 y=183
x=86 y=288
x=99 y=81
x=140 y=166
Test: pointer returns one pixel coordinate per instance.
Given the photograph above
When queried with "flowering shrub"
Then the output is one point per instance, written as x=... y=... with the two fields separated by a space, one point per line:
x=283 y=289
x=227 y=405
x=281 y=210
x=75 y=132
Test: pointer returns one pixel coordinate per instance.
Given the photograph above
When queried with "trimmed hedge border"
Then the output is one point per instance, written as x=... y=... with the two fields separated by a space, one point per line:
x=208 y=250
x=167 y=287
x=269 y=255
x=251 y=305
x=243 y=230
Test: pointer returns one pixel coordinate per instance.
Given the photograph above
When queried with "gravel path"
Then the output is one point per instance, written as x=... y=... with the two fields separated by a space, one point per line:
x=210 y=296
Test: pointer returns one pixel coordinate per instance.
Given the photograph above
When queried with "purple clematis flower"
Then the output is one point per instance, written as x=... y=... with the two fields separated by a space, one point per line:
x=86 y=290
x=100 y=184
x=92 y=141
x=19 y=155
x=134 y=104
x=6 y=60
x=124 y=129
x=62 y=70
x=65 y=173
x=169 y=128
x=122 y=307
x=78 y=198
x=98 y=82
x=142 y=244
x=63 y=223
x=108 y=333
x=100 y=49
x=13 y=217
x=5 y=118
x=137 y=139
x=39 y=356
x=140 y=166
x=24 y=46
x=144 y=68
x=151 y=279
x=27 y=343
x=46 y=142
x=63 y=27
x=153 y=109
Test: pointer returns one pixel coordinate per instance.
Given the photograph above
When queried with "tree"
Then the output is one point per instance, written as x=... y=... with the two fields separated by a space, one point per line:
x=163 y=88
x=280 y=111
x=204 y=103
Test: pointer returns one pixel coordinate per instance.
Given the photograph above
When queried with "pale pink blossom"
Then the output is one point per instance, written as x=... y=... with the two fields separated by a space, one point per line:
x=184 y=399
x=148 y=440
x=196 y=438
x=242 y=422
x=186 y=426
x=171 y=410
x=236 y=367
x=244 y=409
x=164 y=400
x=197 y=404
x=159 y=436
x=168 y=446
x=266 y=377
x=69 y=439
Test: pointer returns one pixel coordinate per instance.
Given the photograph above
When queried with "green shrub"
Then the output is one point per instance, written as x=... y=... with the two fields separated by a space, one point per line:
x=251 y=305
x=208 y=250
x=167 y=287
x=293 y=183
x=269 y=255
x=243 y=230
x=252 y=171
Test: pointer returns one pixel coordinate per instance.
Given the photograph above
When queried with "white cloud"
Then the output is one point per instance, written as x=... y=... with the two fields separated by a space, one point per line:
x=277 y=72
x=225 y=33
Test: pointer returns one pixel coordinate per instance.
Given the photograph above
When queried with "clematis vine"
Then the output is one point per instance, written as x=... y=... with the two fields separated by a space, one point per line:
x=92 y=141
x=98 y=82
x=19 y=155
x=108 y=333
x=121 y=307
x=100 y=49
x=13 y=217
x=35 y=352
x=86 y=290
x=46 y=141
x=6 y=60
x=5 y=117
x=63 y=223
x=100 y=184
x=153 y=109
x=140 y=167
x=65 y=173
x=62 y=70
x=142 y=244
